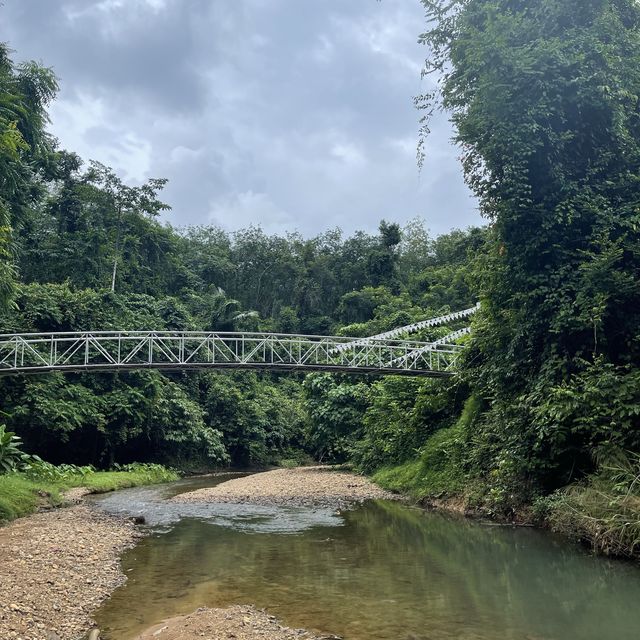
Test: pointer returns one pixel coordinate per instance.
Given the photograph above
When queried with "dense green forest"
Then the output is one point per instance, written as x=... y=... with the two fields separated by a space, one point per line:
x=544 y=96
x=89 y=252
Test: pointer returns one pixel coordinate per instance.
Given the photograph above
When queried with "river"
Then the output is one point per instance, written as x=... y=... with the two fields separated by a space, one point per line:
x=383 y=571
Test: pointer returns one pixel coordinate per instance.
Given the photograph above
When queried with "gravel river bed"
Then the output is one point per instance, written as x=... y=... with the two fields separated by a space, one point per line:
x=56 y=568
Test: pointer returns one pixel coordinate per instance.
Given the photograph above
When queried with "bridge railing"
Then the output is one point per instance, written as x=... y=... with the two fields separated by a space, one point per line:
x=122 y=350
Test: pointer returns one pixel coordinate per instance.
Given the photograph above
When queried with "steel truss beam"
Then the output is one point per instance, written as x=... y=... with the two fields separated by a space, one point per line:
x=447 y=340
x=125 y=350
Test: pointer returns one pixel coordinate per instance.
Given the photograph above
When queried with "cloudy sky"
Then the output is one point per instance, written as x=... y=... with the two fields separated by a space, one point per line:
x=291 y=114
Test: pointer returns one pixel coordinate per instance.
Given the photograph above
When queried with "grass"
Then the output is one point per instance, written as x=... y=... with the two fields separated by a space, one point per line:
x=604 y=510
x=435 y=473
x=104 y=481
x=21 y=495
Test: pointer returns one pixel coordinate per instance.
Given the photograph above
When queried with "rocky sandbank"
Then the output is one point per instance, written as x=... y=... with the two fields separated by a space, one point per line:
x=303 y=486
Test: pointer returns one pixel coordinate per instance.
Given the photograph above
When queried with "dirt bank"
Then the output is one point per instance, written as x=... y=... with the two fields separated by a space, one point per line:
x=55 y=569
x=238 y=622
x=304 y=486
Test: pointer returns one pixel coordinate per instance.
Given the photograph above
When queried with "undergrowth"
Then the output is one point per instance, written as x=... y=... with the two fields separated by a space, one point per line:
x=604 y=510
x=42 y=484
x=436 y=472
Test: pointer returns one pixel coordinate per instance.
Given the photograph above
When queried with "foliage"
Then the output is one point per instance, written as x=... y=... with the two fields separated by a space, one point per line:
x=403 y=413
x=259 y=419
x=335 y=415
x=25 y=92
x=442 y=467
x=603 y=511
x=38 y=469
x=543 y=96
x=11 y=455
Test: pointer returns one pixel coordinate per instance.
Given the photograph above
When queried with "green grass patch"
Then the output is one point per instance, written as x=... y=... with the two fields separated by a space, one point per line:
x=21 y=495
x=403 y=478
x=437 y=471
x=104 y=481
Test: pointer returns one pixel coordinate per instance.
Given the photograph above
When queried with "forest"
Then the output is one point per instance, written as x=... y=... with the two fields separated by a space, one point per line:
x=543 y=417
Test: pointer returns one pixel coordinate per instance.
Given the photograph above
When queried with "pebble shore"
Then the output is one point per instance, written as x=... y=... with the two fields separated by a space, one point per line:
x=303 y=486
x=237 y=622
x=56 y=568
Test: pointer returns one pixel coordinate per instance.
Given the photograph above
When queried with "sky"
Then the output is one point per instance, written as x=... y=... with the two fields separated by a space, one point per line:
x=288 y=114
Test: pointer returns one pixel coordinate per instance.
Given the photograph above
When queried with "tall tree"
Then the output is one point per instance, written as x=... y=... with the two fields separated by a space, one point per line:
x=25 y=91
x=124 y=200
x=545 y=98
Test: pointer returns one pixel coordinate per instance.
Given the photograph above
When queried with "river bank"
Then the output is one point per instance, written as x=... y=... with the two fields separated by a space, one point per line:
x=601 y=511
x=56 y=568
x=59 y=565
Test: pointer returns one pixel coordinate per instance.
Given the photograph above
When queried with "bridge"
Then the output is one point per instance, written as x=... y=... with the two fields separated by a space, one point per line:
x=174 y=350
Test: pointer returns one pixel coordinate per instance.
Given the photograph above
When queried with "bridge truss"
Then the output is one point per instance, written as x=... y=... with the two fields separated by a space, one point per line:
x=401 y=332
x=127 y=350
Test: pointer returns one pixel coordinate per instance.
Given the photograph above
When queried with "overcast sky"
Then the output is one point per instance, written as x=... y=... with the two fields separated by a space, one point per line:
x=291 y=114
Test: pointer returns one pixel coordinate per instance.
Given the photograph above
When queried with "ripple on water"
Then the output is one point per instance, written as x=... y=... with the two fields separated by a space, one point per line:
x=151 y=503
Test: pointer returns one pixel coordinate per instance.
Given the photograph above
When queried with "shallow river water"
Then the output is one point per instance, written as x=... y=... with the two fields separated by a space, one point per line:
x=384 y=571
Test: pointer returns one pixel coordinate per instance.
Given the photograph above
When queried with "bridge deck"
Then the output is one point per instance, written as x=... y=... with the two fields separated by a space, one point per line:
x=171 y=350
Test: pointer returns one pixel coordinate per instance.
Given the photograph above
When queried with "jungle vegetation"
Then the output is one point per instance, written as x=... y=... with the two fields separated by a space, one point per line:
x=545 y=99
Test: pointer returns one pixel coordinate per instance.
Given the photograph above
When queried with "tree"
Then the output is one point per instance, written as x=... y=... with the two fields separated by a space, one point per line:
x=336 y=410
x=383 y=260
x=25 y=92
x=136 y=201
x=223 y=313
x=544 y=97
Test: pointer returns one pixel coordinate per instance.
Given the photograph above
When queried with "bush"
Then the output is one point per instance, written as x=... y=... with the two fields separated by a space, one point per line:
x=155 y=472
x=604 y=510
x=11 y=455
x=37 y=469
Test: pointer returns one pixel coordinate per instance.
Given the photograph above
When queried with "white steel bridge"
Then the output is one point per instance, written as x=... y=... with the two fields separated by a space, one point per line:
x=122 y=350
x=127 y=350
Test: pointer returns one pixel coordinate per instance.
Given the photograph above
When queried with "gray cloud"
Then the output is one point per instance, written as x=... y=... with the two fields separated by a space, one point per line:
x=283 y=113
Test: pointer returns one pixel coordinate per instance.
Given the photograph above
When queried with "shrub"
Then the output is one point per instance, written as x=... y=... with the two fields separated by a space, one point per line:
x=38 y=469
x=604 y=510
x=11 y=455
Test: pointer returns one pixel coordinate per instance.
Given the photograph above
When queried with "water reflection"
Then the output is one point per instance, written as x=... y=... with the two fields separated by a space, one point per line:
x=388 y=572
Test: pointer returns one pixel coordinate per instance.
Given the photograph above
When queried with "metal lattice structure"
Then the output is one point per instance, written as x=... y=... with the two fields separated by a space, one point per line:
x=399 y=332
x=127 y=350
x=448 y=340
